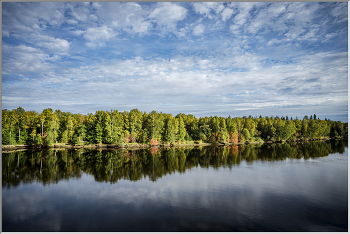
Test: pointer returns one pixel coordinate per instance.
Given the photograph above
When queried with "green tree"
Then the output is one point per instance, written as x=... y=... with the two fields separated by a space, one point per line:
x=182 y=130
x=304 y=127
x=117 y=125
x=135 y=118
x=98 y=127
x=194 y=129
x=224 y=135
x=214 y=125
x=170 y=129
x=154 y=125
x=204 y=129
x=20 y=111
x=70 y=126
x=90 y=127
x=107 y=128
x=245 y=134
x=80 y=133
x=64 y=137
x=55 y=125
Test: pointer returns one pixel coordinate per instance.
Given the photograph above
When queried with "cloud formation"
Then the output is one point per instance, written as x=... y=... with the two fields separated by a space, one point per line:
x=196 y=58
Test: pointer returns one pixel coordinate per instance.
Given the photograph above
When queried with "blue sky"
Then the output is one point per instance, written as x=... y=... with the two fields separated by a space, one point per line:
x=205 y=59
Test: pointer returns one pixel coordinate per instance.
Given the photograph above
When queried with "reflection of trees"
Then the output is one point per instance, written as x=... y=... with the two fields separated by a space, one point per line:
x=52 y=165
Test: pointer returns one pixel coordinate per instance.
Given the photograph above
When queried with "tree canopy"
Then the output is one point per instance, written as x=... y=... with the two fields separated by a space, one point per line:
x=114 y=127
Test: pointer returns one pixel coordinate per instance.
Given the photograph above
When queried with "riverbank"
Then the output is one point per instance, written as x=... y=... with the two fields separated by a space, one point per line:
x=143 y=146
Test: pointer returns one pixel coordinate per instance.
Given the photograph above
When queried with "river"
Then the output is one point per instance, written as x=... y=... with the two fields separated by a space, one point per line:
x=275 y=187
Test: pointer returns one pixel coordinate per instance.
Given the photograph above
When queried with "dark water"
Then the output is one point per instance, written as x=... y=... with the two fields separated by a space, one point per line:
x=282 y=187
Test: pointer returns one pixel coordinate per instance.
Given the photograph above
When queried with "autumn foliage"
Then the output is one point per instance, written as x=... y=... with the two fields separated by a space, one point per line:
x=153 y=142
x=233 y=137
x=154 y=150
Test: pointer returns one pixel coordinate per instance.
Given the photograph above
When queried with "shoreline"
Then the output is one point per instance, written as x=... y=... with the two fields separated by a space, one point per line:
x=146 y=146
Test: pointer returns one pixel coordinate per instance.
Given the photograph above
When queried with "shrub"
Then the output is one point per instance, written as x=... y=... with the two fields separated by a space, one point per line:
x=258 y=139
x=154 y=142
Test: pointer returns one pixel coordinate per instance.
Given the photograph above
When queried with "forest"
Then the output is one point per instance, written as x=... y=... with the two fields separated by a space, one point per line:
x=20 y=127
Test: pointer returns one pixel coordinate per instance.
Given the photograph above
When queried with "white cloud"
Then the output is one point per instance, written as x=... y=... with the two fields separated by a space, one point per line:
x=289 y=21
x=243 y=15
x=142 y=27
x=96 y=5
x=265 y=18
x=79 y=11
x=20 y=60
x=53 y=44
x=273 y=41
x=330 y=35
x=340 y=12
x=128 y=17
x=98 y=36
x=204 y=8
x=47 y=43
x=276 y=10
x=235 y=29
x=198 y=30
x=71 y=21
x=167 y=15
x=77 y=32
x=226 y=14
x=201 y=8
x=93 y=17
x=30 y=17
x=5 y=33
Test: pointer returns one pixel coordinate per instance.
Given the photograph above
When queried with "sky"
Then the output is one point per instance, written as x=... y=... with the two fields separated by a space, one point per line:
x=200 y=58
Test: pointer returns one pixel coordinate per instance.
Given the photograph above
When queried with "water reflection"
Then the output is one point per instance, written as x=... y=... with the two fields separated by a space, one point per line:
x=282 y=187
x=51 y=166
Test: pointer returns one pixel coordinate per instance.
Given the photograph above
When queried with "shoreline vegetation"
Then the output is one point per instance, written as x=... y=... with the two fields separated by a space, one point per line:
x=135 y=129
x=144 y=146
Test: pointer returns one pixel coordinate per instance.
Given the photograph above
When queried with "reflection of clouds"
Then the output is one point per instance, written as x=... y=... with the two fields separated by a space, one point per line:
x=245 y=195
x=27 y=203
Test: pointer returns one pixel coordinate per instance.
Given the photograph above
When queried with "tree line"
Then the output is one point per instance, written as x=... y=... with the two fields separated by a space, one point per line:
x=114 y=127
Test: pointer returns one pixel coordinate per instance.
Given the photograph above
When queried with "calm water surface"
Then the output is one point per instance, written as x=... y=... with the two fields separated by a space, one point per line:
x=282 y=187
